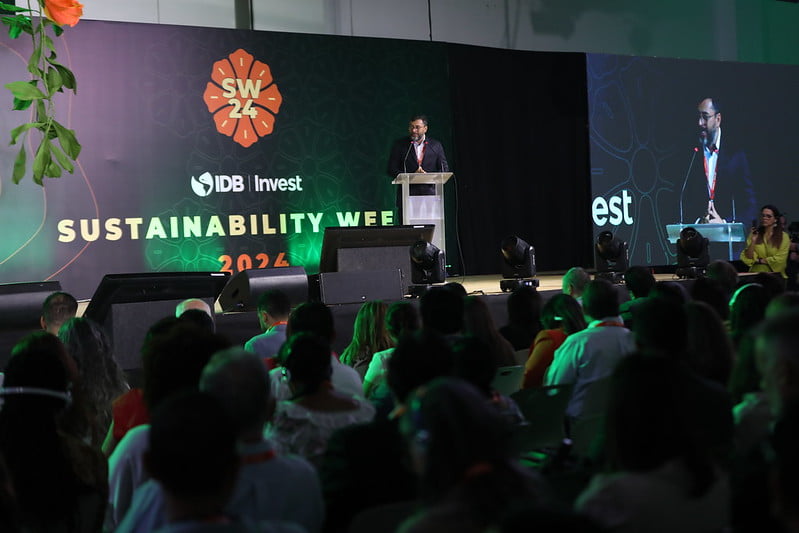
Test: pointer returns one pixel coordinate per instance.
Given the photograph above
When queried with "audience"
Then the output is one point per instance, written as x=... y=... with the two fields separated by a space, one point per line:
x=192 y=454
x=588 y=357
x=477 y=322
x=57 y=309
x=524 y=317
x=401 y=319
x=709 y=348
x=303 y=423
x=639 y=281
x=100 y=380
x=442 y=311
x=574 y=283
x=368 y=337
x=270 y=486
x=59 y=481
x=273 y=312
x=561 y=317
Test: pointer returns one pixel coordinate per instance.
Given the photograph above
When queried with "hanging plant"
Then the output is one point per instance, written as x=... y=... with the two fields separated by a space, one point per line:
x=58 y=147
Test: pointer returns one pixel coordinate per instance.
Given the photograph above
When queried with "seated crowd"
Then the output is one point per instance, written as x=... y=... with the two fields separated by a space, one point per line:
x=675 y=408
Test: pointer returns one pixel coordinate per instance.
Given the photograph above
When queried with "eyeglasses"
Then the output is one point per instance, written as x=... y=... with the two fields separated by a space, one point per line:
x=704 y=117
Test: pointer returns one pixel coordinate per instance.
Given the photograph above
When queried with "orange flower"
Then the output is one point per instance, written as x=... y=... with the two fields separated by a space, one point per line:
x=63 y=12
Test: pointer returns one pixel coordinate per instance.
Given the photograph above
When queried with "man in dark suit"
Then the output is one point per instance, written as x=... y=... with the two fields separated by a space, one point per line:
x=416 y=153
x=719 y=189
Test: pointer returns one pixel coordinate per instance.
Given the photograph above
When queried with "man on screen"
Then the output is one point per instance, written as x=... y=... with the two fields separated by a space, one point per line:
x=722 y=191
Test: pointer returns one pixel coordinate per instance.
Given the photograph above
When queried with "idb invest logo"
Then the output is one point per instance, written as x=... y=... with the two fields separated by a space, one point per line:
x=208 y=183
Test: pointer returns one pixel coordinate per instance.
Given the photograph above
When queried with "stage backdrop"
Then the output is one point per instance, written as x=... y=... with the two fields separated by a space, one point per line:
x=210 y=149
x=644 y=127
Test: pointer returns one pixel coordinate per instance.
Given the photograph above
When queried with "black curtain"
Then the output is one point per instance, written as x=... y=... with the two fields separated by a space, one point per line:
x=520 y=153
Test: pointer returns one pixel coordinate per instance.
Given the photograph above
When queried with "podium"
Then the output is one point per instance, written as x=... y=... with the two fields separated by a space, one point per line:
x=424 y=209
x=727 y=232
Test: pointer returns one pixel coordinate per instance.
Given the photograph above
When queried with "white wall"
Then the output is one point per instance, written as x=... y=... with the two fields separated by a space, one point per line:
x=747 y=30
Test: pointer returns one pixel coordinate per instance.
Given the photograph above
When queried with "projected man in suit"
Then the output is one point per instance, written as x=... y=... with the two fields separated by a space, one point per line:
x=719 y=189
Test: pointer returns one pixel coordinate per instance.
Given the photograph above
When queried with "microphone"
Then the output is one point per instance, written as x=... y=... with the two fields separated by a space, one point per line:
x=405 y=159
x=685 y=182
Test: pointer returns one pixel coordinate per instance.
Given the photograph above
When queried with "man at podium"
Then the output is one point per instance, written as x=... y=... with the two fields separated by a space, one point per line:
x=417 y=153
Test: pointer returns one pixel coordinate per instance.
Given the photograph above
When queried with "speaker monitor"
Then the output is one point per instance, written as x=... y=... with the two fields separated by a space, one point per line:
x=243 y=290
x=360 y=286
x=21 y=303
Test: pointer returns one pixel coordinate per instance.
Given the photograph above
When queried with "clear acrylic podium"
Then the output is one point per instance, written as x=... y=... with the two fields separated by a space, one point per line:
x=424 y=209
x=725 y=232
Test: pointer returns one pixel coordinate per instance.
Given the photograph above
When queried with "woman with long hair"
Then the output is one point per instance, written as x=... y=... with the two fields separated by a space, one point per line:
x=477 y=321
x=767 y=245
x=100 y=380
x=369 y=336
x=560 y=317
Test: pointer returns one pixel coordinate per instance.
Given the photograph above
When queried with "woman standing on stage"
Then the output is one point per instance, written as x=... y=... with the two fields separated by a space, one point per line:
x=767 y=245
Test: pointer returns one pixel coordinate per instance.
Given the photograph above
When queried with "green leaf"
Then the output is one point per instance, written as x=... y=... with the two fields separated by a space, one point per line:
x=13 y=8
x=22 y=129
x=48 y=42
x=53 y=80
x=58 y=30
x=21 y=105
x=52 y=170
x=41 y=111
x=63 y=160
x=19 y=165
x=24 y=90
x=67 y=78
x=68 y=141
x=41 y=161
x=16 y=25
x=33 y=61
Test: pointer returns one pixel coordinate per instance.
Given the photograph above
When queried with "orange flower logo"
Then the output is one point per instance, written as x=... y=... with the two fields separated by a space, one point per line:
x=243 y=98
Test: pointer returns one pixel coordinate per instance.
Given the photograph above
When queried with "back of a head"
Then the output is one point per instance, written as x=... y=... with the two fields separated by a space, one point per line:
x=725 y=273
x=524 y=307
x=472 y=362
x=199 y=318
x=312 y=317
x=772 y=282
x=639 y=281
x=778 y=357
x=600 y=299
x=401 y=319
x=57 y=309
x=416 y=360
x=712 y=292
x=276 y=303
x=651 y=419
x=670 y=290
x=442 y=310
x=575 y=281
x=747 y=308
x=563 y=311
x=785 y=302
x=307 y=359
x=37 y=361
x=709 y=348
x=457 y=429
x=660 y=328
x=193 y=303
x=173 y=360
x=192 y=445
x=477 y=318
x=239 y=380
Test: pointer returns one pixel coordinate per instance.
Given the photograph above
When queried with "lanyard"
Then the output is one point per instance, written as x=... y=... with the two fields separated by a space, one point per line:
x=255 y=458
x=420 y=154
x=711 y=188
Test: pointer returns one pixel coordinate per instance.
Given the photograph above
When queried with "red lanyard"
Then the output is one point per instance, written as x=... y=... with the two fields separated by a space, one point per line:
x=609 y=324
x=711 y=189
x=255 y=458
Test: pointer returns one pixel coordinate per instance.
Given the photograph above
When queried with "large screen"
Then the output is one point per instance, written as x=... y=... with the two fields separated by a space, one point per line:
x=650 y=167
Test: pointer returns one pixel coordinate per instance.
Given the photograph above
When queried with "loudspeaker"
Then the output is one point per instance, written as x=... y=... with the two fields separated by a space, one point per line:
x=21 y=303
x=243 y=290
x=358 y=287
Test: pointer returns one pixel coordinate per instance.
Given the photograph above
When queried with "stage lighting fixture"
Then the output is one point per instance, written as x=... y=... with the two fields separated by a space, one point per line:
x=518 y=264
x=427 y=267
x=610 y=257
x=692 y=253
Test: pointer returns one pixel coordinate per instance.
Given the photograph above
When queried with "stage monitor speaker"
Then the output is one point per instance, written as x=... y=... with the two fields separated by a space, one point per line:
x=126 y=305
x=359 y=286
x=243 y=290
x=21 y=303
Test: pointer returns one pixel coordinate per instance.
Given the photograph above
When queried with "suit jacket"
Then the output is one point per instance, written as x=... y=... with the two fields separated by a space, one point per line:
x=734 y=194
x=403 y=157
